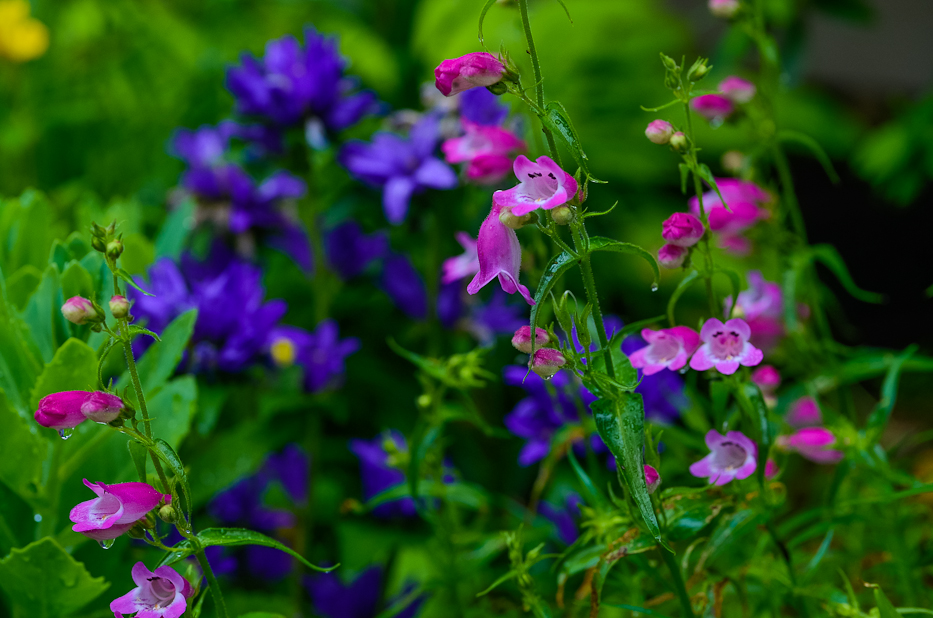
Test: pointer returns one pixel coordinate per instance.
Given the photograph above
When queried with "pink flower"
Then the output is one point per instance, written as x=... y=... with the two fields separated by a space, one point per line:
x=101 y=407
x=61 y=410
x=712 y=106
x=547 y=361
x=725 y=9
x=805 y=412
x=521 y=341
x=672 y=256
x=761 y=305
x=812 y=443
x=162 y=593
x=652 y=478
x=79 y=310
x=470 y=71
x=771 y=469
x=499 y=255
x=767 y=378
x=682 y=229
x=725 y=347
x=667 y=349
x=732 y=456
x=489 y=169
x=737 y=89
x=736 y=244
x=115 y=510
x=743 y=198
x=463 y=265
x=488 y=147
x=659 y=131
x=542 y=184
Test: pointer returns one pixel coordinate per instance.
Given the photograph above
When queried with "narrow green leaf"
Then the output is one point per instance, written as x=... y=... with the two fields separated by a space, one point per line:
x=821 y=552
x=482 y=18
x=684 y=177
x=128 y=278
x=707 y=175
x=139 y=330
x=558 y=121
x=599 y=243
x=233 y=537
x=736 y=282
x=566 y=10
x=878 y=419
x=885 y=608
x=829 y=257
x=660 y=107
x=421 y=443
x=814 y=147
x=139 y=454
x=595 y=497
x=755 y=402
x=685 y=283
x=166 y=453
x=173 y=236
x=497 y=583
x=556 y=268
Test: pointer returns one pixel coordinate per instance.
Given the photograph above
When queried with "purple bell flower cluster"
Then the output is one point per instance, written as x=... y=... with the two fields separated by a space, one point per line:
x=359 y=598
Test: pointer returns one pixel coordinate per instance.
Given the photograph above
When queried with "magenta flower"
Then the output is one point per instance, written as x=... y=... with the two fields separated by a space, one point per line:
x=771 y=469
x=805 y=412
x=470 y=71
x=725 y=9
x=672 y=256
x=61 y=410
x=162 y=593
x=682 y=229
x=115 y=510
x=486 y=149
x=542 y=184
x=812 y=443
x=652 y=479
x=659 y=131
x=463 y=265
x=668 y=348
x=713 y=107
x=725 y=347
x=744 y=199
x=499 y=255
x=101 y=407
x=762 y=307
x=732 y=456
x=547 y=361
x=767 y=378
x=521 y=341
x=79 y=310
x=737 y=89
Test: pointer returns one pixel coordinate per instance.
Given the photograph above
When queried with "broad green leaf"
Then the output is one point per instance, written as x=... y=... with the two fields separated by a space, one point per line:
x=556 y=268
x=21 y=285
x=688 y=514
x=233 y=537
x=174 y=233
x=139 y=454
x=77 y=281
x=43 y=581
x=172 y=409
x=19 y=357
x=685 y=283
x=23 y=452
x=878 y=419
x=73 y=368
x=159 y=362
x=621 y=425
x=598 y=243
x=558 y=121
x=43 y=314
x=26 y=227
x=829 y=257
x=814 y=147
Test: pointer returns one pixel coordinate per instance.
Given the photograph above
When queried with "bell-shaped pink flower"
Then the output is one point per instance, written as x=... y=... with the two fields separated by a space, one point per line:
x=668 y=348
x=486 y=145
x=79 y=310
x=162 y=593
x=725 y=347
x=542 y=184
x=744 y=199
x=659 y=131
x=101 y=407
x=489 y=169
x=547 y=361
x=732 y=456
x=712 y=106
x=682 y=229
x=499 y=255
x=652 y=479
x=672 y=256
x=115 y=510
x=812 y=443
x=805 y=412
x=737 y=89
x=463 y=265
x=61 y=410
x=521 y=340
x=470 y=71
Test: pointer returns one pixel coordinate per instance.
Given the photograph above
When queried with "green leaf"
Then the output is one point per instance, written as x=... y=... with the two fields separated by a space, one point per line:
x=685 y=283
x=172 y=409
x=814 y=147
x=466 y=494
x=261 y=615
x=421 y=443
x=598 y=243
x=621 y=425
x=159 y=362
x=77 y=281
x=497 y=583
x=684 y=176
x=139 y=330
x=885 y=608
x=660 y=107
x=566 y=10
x=43 y=581
x=556 y=268
x=23 y=453
x=755 y=404
x=707 y=175
x=166 y=453
x=593 y=494
x=128 y=278
x=19 y=362
x=233 y=537
x=558 y=121
x=829 y=257
x=139 y=454
x=174 y=233
x=688 y=514
x=73 y=368
x=482 y=17
x=878 y=419
x=43 y=314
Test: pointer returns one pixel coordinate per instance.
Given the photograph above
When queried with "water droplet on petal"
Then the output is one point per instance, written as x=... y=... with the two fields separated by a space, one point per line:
x=683 y=370
x=64 y=434
x=106 y=543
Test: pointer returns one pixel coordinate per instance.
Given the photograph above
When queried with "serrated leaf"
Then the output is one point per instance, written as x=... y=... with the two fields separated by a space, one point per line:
x=599 y=243
x=685 y=283
x=555 y=269
x=829 y=257
x=234 y=537
x=128 y=278
x=558 y=121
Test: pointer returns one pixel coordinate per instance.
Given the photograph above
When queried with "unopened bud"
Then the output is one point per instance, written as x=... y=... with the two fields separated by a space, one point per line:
x=499 y=88
x=167 y=514
x=562 y=215
x=682 y=229
x=679 y=141
x=79 y=310
x=114 y=248
x=511 y=221
x=698 y=72
x=102 y=407
x=98 y=245
x=672 y=256
x=547 y=361
x=659 y=131
x=521 y=341
x=652 y=479
x=668 y=63
x=119 y=307
x=725 y=9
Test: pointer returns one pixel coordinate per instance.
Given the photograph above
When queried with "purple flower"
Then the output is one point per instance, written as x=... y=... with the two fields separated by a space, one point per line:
x=667 y=349
x=725 y=347
x=541 y=184
x=115 y=510
x=332 y=598
x=499 y=316
x=539 y=415
x=500 y=256
x=162 y=593
x=450 y=305
x=733 y=456
x=464 y=265
x=477 y=69
x=350 y=251
x=564 y=518
x=320 y=353
x=662 y=392
x=405 y=286
x=480 y=106
x=401 y=167
x=379 y=471
x=299 y=85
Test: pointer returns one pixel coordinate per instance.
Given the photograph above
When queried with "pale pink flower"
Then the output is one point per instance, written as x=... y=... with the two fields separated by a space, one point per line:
x=672 y=256
x=162 y=593
x=737 y=89
x=541 y=184
x=732 y=456
x=659 y=131
x=521 y=341
x=725 y=347
x=668 y=348
x=547 y=361
x=463 y=265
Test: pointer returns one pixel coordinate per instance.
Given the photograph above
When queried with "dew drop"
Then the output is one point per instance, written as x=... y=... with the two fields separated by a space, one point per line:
x=654 y=287
x=683 y=370
x=106 y=543
x=37 y=518
x=64 y=434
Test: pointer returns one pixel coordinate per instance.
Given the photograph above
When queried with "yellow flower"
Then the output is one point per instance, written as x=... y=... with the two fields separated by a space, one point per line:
x=21 y=37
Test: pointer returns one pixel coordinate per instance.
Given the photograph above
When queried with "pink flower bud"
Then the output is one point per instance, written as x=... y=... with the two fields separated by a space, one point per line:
x=679 y=141
x=805 y=412
x=672 y=256
x=521 y=341
x=737 y=89
x=712 y=106
x=682 y=229
x=726 y=9
x=115 y=510
x=119 y=307
x=61 y=410
x=659 y=131
x=767 y=378
x=470 y=71
x=652 y=478
x=79 y=310
x=771 y=469
x=547 y=361
x=101 y=407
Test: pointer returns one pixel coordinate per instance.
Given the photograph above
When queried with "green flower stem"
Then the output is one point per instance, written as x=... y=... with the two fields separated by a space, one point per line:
x=679 y=586
x=539 y=84
x=581 y=242
x=211 y=582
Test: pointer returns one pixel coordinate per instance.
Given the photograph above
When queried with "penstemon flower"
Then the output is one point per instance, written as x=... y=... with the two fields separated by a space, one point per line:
x=725 y=347
x=805 y=412
x=737 y=89
x=478 y=69
x=812 y=443
x=487 y=151
x=162 y=593
x=682 y=229
x=541 y=184
x=115 y=510
x=732 y=456
x=713 y=107
x=463 y=265
x=499 y=255
x=522 y=339
x=667 y=349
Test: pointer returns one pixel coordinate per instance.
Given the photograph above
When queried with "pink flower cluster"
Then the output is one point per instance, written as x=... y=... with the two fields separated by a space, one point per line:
x=723 y=346
x=487 y=151
x=745 y=201
x=544 y=361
